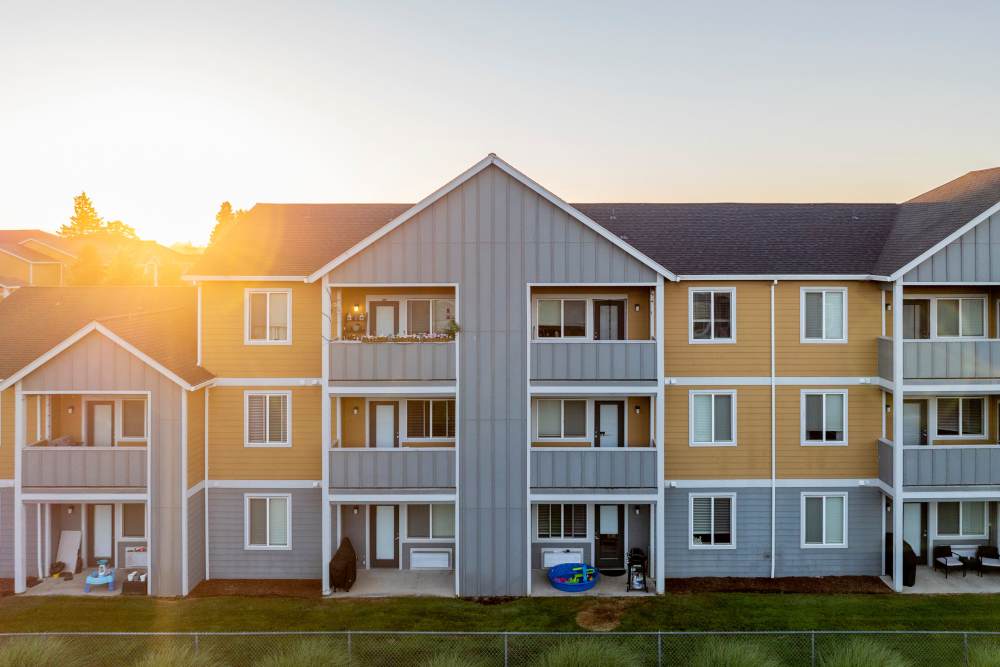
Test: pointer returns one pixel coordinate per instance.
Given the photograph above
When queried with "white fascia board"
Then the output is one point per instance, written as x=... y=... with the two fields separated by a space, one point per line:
x=763 y=483
x=264 y=484
x=258 y=279
x=83 y=497
x=391 y=390
x=784 y=276
x=763 y=380
x=266 y=382
x=489 y=160
x=946 y=241
x=390 y=498
x=592 y=390
x=49 y=246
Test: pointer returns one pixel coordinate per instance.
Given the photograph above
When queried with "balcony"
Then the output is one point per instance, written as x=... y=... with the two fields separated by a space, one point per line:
x=943 y=465
x=943 y=359
x=84 y=467
x=626 y=469
x=593 y=361
x=392 y=469
x=352 y=361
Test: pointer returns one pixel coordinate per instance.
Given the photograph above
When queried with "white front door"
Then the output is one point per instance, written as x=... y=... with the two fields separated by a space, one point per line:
x=385 y=425
x=385 y=320
x=609 y=425
x=103 y=425
x=385 y=532
x=103 y=540
x=912 y=528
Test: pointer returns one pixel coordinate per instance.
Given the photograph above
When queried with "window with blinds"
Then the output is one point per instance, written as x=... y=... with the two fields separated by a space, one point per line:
x=430 y=522
x=268 y=522
x=712 y=521
x=712 y=315
x=561 y=318
x=824 y=520
x=961 y=519
x=268 y=316
x=430 y=419
x=961 y=417
x=824 y=418
x=824 y=315
x=561 y=418
x=961 y=317
x=567 y=521
x=267 y=419
x=713 y=418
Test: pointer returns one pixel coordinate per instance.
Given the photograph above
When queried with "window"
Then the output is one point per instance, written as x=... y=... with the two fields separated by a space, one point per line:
x=430 y=522
x=268 y=415
x=824 y=520
x=824 y=315
x=961 y=417
x=269 y=315
x=561 y=522
x=133 y=520
x=712 y=521
x=559 y=418
x=712 y=315
x=133 y=419
x=916 y=319
x=961 y=317
x=562 y=318
x=425 y=316
x=268 y=522
x=824 y=418
x=430 y=419
x=961 y=519
x=713 y=418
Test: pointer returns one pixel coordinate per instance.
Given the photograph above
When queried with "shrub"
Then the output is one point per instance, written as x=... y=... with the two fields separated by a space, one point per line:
x=574 y=653
x=862 y=653
x=177 y=655
x=308 y=653
x=37 y=652
x=984 y=655
x=733 y=653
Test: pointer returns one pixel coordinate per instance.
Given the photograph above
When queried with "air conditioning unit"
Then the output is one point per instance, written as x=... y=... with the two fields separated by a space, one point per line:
x=430 y=559
x=557 y=556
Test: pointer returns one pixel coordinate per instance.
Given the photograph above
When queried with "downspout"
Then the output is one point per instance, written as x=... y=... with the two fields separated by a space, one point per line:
x=774 y=458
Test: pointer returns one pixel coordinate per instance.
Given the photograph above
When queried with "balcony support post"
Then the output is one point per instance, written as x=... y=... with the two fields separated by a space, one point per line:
x=897 y=436
x=659 y=559
x=20 y=568
x=325 y=421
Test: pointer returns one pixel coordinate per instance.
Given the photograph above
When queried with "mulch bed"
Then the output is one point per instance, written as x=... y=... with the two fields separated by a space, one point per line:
x=779 y=585
x=286 y=588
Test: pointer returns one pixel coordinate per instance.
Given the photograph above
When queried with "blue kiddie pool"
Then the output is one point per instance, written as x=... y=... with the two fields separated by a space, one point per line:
x=573 y=577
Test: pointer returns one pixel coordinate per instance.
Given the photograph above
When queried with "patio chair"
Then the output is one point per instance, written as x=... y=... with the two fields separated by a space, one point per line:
x=946 y=560
x=987 y=558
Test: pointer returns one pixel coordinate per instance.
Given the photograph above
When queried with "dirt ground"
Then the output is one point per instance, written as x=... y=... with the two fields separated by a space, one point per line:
x=289 y=588
x=779 y=585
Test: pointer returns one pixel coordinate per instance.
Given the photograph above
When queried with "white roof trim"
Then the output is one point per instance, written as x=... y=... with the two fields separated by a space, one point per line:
x=946 y=241
x=259 y=279
x=784 y=276
x=489 y=160
x=47 y=245
x=29 y=261
x=107 y=333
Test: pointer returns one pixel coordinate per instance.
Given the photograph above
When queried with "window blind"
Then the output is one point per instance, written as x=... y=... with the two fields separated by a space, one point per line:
x=702 y=418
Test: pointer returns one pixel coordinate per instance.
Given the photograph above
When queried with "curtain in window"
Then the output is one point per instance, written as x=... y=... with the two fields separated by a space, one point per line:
x=972 y=416
x=814 y=520
x=258 y=316
x=947 y=317
x=834 y=315
x=256 y=419
x=948 y=519
x=973 y=518
x=278 y=521
x=723 y=315
x=418 y=317
x=701 y=520
x=549 y=318
x=814 y=314
x=701 y=315
x=258 y=521
x=947 y=416
x=443 y=521
x=723 y=418
x=575 y=418
x=277 y=418
x=834 y=426
x=723 y=521
x=814 y=416
x=549 y=419
x=702 y=418
x=972 y=317
x=835 y=520
x=278 y=313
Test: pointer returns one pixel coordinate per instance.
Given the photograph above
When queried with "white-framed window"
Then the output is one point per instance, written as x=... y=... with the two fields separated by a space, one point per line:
x=561 y=318
x=960 y=317
x=712 y=419
x=430 y=315
x=561 y=419
x=267 y=521
x=824 y=315
x=712 y=315
x=824 y=417
x=961 y=417
x=824 y=520
x=134 y=419
x=558 y=521
x=432 y=419
x=967 y=519
x=133 y=521
x=268 y=418
x=712 y=521
x=432 y=521
x=268 y=317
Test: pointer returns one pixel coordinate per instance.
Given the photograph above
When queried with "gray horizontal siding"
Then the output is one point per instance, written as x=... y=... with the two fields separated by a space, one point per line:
x=619 y=469
x=604 y=360
x=392 y=469
x=119 y=467
x=885 y=358
x=974 y=257
x=6 y=533
x=196 y=539
x=951 y=359
x=392 y=361
x=951 y=466
x=227 y=556
x=885 y=462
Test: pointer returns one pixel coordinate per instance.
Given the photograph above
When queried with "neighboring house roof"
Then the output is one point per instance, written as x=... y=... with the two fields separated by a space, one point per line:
x=7 y=281
x=18 y=236
x=27 y=254
x=296 y=240
x=161 y=322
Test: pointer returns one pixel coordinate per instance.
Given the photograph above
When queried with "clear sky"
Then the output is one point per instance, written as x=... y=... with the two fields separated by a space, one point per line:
x=160 y=111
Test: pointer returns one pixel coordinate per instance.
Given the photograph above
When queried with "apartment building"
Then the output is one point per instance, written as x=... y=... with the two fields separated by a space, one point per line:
x=492 y=380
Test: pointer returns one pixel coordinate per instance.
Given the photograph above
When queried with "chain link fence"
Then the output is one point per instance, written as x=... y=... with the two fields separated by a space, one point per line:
x=506 y=649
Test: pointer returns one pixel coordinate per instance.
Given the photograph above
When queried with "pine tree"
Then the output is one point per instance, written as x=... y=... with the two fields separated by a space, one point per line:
x=120 y=229
x=84 y=220
x=225 y=219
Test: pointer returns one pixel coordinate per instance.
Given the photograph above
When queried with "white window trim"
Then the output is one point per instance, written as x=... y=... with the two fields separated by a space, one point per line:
x=247 y=497
x=116 y=427
x=714 y=443
x=404 y=410
x=589 y=529
x=732 y=316
x=430 y=518
x=803 y=441
x=732 y=520
x=587 y=323
x=802 y=520
x=403 y=300
x=120 y=523
x=246 y=315
x=120 y=410
x=961 y=535
x=588 y=428
x=802 y=316
x=962 y=436
x=959 y=297
x=246 y=420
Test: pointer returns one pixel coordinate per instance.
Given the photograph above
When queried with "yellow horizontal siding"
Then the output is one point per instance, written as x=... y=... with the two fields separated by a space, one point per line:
x=46 y=275
x=12 y=267
x=196 y=437
x=7 y=434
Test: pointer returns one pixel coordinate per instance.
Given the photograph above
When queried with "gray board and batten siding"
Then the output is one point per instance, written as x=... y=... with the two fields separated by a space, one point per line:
x=624 y=470
x=357 y=468
x=391 y=362
x=973 y=257
x=492 y=236
x=593 y=360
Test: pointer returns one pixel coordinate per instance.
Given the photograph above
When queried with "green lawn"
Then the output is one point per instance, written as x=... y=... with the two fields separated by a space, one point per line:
x=678 y=611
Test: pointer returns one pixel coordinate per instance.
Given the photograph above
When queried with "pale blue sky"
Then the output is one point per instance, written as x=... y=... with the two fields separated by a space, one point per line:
x=161 y=111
